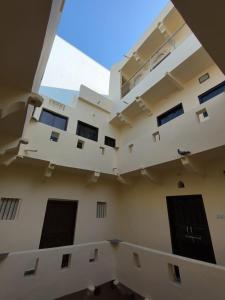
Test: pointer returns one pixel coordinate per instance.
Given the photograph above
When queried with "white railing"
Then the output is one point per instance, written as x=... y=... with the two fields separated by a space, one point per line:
x=38 y=274
x=156 y=58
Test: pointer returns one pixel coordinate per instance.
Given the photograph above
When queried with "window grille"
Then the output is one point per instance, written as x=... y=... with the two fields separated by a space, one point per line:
x=101 y=209
x=8 y=208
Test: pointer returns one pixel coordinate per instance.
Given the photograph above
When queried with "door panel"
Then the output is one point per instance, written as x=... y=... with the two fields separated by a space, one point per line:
x=59 y=224
x=189 y=228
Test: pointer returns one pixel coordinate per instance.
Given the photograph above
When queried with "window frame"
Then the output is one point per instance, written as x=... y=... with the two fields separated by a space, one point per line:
x=110 y=139
x=54 y=116
x=12 y=212
x=212 y=92
x=170 y=114
x=101 y=210
x=91 y=135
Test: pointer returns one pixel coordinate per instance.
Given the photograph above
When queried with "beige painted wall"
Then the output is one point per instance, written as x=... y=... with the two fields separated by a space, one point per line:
x=184 y=132
x=25 y=183
x=65 y=151
x=143 y=208
x=50 y=281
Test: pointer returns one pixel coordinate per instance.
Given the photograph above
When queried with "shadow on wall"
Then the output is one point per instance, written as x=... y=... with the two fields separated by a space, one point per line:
x=106 y=291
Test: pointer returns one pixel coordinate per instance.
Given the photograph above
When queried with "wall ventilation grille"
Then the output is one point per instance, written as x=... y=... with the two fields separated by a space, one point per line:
x=8 y=208
x=101 y=210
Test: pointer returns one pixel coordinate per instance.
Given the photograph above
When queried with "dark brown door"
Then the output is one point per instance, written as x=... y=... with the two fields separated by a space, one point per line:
x=59 y=224
x=189 y=228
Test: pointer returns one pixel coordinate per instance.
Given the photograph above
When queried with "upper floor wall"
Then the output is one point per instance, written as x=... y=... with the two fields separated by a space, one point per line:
x=78 y=137
x=115 y=136
x=167 y=33
x=183 y=119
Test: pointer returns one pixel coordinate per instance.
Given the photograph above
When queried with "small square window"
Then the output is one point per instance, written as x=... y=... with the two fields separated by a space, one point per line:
x=93 y=255
x=101 y=209
x=66 y=258
x=203 y=78
x=111 y=142
x=174 y=273
x=54 y=136
x=136 y=260
x=80 y=144
x=202 y=115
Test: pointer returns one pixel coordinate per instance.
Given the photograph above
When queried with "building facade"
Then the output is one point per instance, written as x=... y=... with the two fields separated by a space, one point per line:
x=127 y=186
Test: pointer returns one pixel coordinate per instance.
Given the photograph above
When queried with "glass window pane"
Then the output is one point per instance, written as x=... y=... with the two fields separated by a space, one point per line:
x=60 y=122
x=170 y=114
x=87 y=131
x=53 y=119
x=47 y=117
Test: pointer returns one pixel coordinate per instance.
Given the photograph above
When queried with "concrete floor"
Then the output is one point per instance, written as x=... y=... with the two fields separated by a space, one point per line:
x=105 y=292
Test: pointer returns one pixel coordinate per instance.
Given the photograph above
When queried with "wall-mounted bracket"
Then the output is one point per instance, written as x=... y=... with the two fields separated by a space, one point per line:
x=49 y=170
x=149 y=175
x=190 y=165
x=94 y=177
x=163 y=29
x=123 y=119
x=143 y=106
x=121 y=179
x=176 y=82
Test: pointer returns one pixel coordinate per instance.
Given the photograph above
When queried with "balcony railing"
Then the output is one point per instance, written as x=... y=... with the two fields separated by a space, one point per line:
x=156 y=58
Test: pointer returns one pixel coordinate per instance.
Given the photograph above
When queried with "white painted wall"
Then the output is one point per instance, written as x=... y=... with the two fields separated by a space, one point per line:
x=68 y=68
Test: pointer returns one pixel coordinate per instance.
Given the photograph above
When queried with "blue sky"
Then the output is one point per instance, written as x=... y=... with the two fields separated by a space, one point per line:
x=106 y=29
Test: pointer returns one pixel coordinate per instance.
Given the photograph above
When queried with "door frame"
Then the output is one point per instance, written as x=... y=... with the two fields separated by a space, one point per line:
x=75 y=221
x=171 y=225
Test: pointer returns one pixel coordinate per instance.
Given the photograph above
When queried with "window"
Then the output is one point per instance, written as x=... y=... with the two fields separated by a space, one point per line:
x=87 y=131
x=174 y=273
x=171 y=114
x=202 y=115
x=203 y=78
x=66 y=258
x=80 y=144
x=54 y=136
x=52 y=119
x=213 y=92
x=136 y=260
x=101 y=209
x=93 y=255
x=111 y=142
x=8 y=208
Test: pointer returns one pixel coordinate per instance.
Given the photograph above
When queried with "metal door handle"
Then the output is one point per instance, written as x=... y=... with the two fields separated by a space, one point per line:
x=193 y=237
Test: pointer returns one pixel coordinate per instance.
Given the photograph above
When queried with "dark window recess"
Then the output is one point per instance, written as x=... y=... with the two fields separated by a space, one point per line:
x=65 y=260
x=52 y=119
x=174 y=273
x=213 y=92
x=88 y=131
x=110 y=141
x=171 y=114
x=80 y=144
x=54 y=136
